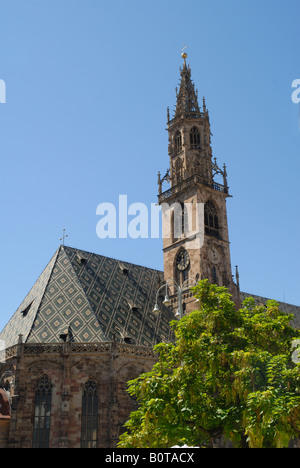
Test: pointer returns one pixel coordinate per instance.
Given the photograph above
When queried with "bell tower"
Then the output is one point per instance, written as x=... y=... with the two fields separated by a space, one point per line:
x=195 y=228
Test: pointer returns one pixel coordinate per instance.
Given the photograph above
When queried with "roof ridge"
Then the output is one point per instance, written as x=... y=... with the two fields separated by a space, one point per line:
x=43 y=294
x=112 y=258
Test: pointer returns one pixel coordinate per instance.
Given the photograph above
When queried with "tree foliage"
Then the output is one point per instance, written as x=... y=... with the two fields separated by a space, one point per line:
x=228 y=373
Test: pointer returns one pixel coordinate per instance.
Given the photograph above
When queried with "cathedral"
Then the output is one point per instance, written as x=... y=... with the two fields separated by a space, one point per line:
x=89 y=323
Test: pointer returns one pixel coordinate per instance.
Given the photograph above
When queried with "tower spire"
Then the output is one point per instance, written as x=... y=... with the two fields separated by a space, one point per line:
x=187 y=100
x=192 y=174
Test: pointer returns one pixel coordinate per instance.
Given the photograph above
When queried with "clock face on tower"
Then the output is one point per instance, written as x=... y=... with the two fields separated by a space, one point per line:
x=182 y=260
x=214 y=255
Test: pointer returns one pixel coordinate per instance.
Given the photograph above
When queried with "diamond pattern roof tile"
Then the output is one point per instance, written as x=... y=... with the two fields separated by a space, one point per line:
x=21 y=322
x=85 y=297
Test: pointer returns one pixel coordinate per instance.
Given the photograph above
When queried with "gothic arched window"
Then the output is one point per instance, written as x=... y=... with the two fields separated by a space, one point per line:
x=42 y=412
x=179 y=171
x=177 y=221
x=89 y=415
x=178 y=142
x=214 y=275
x=211 y=219
x=195 y=138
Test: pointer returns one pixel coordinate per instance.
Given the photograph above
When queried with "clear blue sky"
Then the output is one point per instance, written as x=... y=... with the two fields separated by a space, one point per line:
x=88 y=83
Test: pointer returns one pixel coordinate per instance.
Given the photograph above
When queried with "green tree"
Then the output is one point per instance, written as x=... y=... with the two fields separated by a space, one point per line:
x=229 y=372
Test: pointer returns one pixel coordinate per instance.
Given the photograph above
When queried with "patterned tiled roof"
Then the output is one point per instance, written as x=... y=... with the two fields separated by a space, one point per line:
x=85 y=297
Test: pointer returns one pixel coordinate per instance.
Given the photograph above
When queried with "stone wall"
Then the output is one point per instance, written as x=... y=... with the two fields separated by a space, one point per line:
x=69 y=366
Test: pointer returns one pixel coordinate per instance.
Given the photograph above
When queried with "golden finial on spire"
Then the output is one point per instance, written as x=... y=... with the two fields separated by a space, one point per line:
x=184 y=54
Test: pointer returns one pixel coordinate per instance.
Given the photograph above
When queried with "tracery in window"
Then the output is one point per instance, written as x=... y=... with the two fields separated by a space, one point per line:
x=178 y=171
x=211 y=219
x=195 y=138
x=42 y=413
x=177 y=221
x=182 y=276
x=178 y=142
x=185 y=275
x=214 y=275
x=89 y=415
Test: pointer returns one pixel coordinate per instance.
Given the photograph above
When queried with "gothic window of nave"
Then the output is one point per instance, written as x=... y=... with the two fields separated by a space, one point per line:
x=89 y=415
x=42 y=413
